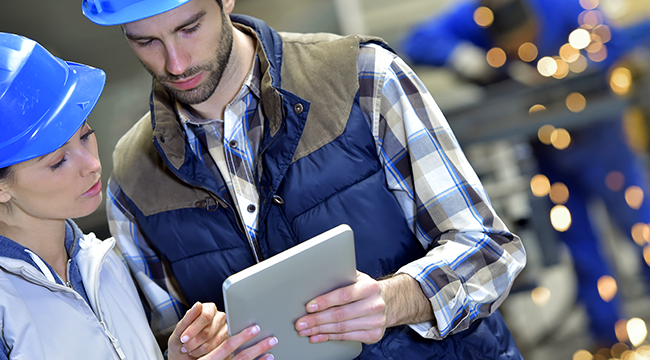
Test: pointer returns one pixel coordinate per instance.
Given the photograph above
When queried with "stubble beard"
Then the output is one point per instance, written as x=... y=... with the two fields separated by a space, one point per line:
x=214 y=68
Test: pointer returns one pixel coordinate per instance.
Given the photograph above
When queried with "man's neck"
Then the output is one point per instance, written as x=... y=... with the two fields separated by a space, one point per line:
x=239 y=65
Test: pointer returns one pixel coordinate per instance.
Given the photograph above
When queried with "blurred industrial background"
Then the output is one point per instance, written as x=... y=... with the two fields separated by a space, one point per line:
x=495 y=124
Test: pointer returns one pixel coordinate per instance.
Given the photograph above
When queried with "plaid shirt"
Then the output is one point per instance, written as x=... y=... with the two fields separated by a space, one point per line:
x=472 y=258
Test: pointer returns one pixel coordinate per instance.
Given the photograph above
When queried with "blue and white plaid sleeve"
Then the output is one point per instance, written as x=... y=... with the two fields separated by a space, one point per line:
x=150 y=275
x=472 y=257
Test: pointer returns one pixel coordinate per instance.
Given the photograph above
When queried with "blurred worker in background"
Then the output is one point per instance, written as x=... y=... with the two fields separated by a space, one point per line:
x=456 y=40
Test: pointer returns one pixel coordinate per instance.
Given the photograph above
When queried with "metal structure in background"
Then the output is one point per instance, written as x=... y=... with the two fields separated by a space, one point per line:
x=504 y=112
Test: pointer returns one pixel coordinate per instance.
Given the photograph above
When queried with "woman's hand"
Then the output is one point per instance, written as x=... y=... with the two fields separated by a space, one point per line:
x=200 y=331
x=203 y=333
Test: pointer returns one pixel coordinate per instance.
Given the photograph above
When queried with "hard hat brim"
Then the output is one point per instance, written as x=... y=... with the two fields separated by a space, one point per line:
x=84 y=86
x=134 y=12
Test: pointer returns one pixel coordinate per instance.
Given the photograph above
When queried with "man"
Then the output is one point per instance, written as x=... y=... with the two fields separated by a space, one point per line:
x=454 y=39
x=263 y=140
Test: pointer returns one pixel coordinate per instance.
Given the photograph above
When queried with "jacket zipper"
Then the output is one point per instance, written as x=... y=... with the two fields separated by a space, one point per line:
x=100 y=318
x=26 y=271
x=68 y=284
x=114 y=341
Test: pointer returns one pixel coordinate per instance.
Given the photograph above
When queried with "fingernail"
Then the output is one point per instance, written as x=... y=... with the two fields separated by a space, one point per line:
x=255 y=329
x=270 y=357
x=301 y=326
x=192 y=308
x=184 y=339
x=183 y=350
x=273 y=341
x=312 y=307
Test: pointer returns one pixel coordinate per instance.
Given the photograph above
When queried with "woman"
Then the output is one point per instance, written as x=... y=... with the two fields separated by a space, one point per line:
x=63 y=294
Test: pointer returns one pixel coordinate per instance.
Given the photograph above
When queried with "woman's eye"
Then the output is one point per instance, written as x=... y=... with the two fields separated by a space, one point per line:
x=59 y=164
x=85 y=136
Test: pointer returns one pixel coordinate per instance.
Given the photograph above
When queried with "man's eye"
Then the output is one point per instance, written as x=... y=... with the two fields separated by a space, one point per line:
x=192 y=29
x=145 y=43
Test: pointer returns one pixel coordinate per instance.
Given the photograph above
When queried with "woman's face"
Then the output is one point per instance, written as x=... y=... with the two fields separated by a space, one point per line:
x=60 y=185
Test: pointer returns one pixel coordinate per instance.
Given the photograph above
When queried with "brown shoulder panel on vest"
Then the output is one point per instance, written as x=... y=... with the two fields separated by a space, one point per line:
x=322 y=68
x=145 y=178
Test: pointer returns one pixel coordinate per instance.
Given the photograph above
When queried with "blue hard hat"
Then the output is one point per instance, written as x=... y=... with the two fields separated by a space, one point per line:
x=116 y=12
x=43 y=99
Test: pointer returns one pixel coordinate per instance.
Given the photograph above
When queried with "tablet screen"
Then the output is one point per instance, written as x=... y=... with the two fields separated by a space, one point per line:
x=273 y=294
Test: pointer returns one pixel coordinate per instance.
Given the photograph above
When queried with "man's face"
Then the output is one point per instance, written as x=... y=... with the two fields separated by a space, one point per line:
x=186 y=49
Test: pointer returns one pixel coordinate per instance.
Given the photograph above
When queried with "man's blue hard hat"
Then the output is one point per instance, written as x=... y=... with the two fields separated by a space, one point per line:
x=43 y=99
x=116 y=12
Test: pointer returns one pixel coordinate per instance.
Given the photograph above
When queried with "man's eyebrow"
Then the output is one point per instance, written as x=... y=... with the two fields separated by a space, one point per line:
x=196 y=17
x=136 y=37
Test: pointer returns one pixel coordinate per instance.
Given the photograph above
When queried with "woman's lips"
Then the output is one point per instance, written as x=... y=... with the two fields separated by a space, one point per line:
x=95 y=190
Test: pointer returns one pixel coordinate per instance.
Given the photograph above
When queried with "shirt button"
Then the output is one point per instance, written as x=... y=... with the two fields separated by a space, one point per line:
x=298 y=108
x=251 y=208
x=233 y=144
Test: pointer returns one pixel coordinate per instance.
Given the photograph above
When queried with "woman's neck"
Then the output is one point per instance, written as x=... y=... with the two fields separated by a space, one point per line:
x=46 y=238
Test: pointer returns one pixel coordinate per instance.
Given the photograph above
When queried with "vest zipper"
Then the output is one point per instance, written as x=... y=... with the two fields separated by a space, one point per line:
x=254 y=246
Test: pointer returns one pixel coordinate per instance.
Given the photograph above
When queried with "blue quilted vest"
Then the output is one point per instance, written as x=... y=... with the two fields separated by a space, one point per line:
x=311 y=179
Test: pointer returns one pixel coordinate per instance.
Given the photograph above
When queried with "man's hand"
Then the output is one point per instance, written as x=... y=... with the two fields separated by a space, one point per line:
x=352 y=313
x=363 y=310
x=203 y=333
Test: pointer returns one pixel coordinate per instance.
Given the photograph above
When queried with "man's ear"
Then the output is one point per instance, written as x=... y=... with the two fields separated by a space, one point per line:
x=228 y=6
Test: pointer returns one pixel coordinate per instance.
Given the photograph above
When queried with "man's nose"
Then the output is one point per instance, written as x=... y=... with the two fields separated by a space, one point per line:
x=177 y=61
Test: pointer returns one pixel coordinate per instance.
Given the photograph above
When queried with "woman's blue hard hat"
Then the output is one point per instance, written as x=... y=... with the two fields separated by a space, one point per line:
x=43 y=99
x=116 y=12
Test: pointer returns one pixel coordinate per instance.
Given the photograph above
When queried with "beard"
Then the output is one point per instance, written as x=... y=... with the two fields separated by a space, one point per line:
x=214 y=69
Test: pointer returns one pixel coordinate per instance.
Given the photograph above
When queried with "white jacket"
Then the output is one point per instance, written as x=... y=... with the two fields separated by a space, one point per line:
x=41 y=320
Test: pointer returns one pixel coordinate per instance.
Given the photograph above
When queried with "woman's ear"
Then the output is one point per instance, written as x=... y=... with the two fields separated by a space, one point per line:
x=4 y=194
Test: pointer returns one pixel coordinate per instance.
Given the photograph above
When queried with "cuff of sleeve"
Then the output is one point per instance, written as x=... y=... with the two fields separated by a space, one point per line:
x=426 y=329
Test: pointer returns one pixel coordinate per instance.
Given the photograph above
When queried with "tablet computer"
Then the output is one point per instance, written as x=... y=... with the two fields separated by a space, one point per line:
x=273 y=294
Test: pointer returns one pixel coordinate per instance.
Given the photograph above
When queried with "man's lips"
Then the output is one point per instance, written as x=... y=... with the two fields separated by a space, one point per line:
x=95 y=190
x=188 y=84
